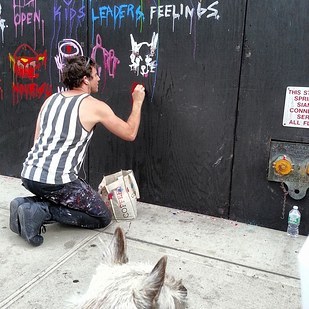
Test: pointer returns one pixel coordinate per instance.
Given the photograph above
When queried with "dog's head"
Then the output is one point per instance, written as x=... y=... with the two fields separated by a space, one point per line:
x=118 y=285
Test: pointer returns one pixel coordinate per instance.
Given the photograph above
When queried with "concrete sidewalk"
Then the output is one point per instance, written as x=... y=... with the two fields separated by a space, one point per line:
x=223 y=264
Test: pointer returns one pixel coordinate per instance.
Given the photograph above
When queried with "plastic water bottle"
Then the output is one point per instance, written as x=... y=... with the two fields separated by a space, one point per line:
x=293 y=222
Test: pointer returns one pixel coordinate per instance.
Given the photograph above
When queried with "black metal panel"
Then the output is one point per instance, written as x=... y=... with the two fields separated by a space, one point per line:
x=186 y=154
x=182 y=155
x=275 y=56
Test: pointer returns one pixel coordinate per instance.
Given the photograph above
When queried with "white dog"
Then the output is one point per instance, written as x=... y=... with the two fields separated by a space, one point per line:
x=118 y=285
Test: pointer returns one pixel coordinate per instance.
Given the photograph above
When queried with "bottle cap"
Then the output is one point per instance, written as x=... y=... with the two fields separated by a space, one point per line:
x=295 y=207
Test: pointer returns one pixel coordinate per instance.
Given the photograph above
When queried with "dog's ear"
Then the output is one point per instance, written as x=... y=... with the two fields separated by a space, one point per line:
x=116 y=253
x=153 y=283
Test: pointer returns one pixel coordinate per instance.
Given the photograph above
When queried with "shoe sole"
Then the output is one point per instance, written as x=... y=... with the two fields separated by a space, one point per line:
x=36 y=240
x=14 y=221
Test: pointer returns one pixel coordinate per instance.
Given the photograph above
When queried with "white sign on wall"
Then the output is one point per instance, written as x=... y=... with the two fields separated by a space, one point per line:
x=296 y=108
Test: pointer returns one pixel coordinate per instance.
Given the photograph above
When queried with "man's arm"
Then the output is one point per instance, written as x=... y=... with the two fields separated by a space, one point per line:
x=37 y=129
x=37 y=126
x=126 y=130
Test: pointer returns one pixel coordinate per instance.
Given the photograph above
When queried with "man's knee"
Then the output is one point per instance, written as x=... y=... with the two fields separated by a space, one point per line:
x=106 y=220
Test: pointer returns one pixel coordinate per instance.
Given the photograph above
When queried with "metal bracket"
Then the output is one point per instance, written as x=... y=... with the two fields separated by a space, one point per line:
x=297 y=156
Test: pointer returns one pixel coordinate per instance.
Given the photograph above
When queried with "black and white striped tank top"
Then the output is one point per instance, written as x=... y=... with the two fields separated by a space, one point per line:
x=60 y=149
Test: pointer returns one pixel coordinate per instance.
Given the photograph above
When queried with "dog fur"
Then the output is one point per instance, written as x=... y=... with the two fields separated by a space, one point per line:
x=121 y=285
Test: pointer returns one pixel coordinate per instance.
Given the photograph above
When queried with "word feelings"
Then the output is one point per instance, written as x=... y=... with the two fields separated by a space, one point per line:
x=171 y=11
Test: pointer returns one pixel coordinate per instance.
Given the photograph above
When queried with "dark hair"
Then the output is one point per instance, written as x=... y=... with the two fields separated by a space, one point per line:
x=75 y=68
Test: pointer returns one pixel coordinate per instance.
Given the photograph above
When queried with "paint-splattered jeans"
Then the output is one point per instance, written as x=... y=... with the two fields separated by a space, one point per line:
x=74 y=203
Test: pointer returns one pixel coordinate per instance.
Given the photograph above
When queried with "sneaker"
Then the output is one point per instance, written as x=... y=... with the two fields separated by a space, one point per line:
x=31 y=218
x=14 y=221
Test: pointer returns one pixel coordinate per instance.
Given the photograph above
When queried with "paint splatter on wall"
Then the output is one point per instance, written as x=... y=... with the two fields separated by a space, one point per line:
x=65 y=20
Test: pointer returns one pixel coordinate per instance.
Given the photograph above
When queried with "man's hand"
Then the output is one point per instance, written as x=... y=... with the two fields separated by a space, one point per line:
x=138 y=94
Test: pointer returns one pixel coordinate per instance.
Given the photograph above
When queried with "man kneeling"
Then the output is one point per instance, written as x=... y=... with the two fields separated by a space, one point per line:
x=63 y=131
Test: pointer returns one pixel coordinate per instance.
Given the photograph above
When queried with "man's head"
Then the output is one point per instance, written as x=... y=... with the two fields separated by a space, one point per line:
x=77 y=70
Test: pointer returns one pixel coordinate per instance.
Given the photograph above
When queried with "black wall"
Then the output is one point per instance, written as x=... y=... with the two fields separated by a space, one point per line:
x=214 y=100
x=274 y=57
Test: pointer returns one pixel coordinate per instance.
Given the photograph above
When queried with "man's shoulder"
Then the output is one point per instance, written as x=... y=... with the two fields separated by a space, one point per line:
x=89 y=99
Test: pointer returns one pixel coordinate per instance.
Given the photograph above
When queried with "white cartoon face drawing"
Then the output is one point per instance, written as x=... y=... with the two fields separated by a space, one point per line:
x=144 y=64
